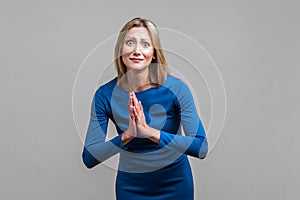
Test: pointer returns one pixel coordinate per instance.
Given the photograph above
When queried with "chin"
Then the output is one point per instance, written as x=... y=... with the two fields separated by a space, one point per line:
x=137 y=67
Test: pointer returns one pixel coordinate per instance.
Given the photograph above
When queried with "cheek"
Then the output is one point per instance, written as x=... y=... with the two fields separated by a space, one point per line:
x=149 y=53
x=125 y=59
x=125 y=51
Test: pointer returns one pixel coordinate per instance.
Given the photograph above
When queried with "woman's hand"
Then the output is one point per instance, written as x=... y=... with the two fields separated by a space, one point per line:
x=138 y=116
x=131 y=132
x=137 y=112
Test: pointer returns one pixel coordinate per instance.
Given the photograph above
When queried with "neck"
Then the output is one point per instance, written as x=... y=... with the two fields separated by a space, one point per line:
x=136 y=80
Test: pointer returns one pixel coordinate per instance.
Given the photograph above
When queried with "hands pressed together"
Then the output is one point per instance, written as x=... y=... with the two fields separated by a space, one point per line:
x=137 y=123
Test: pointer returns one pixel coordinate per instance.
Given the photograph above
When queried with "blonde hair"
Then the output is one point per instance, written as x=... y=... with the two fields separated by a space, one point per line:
x=158 y=69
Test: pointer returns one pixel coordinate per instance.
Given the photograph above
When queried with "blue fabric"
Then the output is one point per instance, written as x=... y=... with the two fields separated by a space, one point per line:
x=148 y=170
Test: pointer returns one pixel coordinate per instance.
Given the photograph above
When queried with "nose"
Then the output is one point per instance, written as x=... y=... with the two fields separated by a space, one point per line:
x=135 y=53
x=137 y=50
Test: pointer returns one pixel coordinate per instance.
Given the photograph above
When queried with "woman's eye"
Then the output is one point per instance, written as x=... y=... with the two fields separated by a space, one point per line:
x=146 y=44
x=129 y=42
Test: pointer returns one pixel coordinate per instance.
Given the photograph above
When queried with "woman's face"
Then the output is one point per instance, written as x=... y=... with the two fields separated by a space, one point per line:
x=137 y=50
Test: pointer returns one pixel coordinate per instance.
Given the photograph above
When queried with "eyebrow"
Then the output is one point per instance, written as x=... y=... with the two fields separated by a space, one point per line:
x=127 y=37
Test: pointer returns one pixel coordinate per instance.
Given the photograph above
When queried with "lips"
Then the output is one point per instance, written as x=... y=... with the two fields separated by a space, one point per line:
x=136 y=59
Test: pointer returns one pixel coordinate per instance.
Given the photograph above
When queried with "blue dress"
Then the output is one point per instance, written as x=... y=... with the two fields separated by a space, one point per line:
x=148 y=170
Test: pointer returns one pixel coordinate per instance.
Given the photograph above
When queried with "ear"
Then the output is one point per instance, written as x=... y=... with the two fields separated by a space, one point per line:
x=153 y=58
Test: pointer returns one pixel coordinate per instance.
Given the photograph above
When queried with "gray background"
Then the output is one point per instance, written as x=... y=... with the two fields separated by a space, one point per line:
x=254 y=43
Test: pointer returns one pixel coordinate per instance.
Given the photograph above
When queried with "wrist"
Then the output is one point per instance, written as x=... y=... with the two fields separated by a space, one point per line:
x=126 y=138
x=155 y=135
x=152 y=133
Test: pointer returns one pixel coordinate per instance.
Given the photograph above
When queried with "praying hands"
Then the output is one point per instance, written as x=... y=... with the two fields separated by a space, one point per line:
x=137 y=123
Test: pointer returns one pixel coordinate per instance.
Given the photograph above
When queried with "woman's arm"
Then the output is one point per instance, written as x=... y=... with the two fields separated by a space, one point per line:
x=96 y=149
x=195 y=146
x=194 y=142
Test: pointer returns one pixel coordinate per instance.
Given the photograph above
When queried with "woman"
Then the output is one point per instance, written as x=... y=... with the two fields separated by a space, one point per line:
x=148 y=107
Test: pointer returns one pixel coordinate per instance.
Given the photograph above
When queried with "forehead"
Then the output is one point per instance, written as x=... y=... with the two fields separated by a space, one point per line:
x=138 y=32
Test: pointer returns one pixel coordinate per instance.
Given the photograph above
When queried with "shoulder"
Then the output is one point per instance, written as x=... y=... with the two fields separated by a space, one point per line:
x=101 y=99
x=106 y=88
x=180 y=90
x=175 y=84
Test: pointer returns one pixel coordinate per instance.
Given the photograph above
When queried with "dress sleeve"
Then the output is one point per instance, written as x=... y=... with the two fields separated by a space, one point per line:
x=96 y=149
x=194 y=142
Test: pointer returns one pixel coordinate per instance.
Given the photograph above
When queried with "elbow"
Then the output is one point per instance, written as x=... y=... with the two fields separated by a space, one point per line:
x=203 y=150
x=87 y=164
x=88 y=159
x=202 y=156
